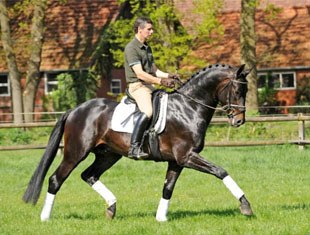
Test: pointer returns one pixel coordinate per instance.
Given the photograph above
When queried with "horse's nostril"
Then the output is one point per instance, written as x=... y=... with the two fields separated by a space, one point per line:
x=239 y=122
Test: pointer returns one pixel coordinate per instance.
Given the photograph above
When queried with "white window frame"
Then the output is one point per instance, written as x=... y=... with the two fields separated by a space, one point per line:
x=281 y=80
x=7 y=84
x=119 y=86
x=47 y=83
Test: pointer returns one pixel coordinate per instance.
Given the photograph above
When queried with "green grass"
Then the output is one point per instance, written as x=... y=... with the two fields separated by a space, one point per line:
x=275 y=179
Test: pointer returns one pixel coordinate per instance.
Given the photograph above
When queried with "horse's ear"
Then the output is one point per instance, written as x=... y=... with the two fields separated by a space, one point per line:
x=240 y=70
x=247 y=71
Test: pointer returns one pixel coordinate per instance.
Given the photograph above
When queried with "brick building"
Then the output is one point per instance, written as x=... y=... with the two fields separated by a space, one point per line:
x=282 y=49
x=73 y=31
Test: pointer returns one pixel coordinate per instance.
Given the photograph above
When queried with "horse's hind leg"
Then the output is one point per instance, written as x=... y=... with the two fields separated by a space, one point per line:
x=172 y=175
x=69 y=162
x=195 y=161
x=91 y=175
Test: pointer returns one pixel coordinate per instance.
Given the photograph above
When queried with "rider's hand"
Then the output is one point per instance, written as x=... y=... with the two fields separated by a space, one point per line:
x=174 y=76
x=167 y=82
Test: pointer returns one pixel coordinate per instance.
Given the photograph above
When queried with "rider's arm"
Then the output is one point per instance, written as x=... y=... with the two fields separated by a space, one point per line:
x=144 y=76
x=159 y=73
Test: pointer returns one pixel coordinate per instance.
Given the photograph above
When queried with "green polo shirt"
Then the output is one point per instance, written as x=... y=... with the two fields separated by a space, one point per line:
x=137 y=53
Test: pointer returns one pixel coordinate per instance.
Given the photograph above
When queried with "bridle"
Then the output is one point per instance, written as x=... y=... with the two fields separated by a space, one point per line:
x=229 y=108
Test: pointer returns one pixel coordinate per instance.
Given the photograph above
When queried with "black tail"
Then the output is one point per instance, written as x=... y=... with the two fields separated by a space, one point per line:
x=35 y=184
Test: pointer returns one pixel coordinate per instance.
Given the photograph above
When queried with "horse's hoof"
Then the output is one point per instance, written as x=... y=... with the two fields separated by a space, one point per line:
x=111 y=211
x=245 y=209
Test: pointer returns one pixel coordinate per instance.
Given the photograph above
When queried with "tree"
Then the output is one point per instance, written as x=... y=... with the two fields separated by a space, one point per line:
x=23 y=101
x=170 y=43
x=33 y=73
x=14 y=74
x=248 y=49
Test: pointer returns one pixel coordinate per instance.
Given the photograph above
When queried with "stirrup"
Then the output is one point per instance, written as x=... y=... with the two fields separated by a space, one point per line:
x=135 y=152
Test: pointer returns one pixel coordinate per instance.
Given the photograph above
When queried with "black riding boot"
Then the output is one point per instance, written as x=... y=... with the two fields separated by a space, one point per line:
x=135 y=150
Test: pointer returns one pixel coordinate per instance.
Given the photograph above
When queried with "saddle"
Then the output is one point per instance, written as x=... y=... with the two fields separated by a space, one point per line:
x=156 y=96
x=124 y=116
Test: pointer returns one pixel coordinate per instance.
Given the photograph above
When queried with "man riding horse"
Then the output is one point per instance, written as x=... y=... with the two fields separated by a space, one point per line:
x=141 y=73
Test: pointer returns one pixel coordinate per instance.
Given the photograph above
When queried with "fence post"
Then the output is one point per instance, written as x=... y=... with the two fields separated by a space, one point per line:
x=301 y=131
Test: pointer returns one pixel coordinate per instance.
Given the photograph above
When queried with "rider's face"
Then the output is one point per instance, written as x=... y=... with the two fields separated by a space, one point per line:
x=146 y=32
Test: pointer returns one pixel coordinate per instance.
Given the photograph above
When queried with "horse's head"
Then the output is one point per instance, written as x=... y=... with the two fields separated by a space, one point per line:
x=231 y=93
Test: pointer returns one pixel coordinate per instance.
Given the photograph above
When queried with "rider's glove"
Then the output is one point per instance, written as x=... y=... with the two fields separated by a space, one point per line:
x=167 y=82
x=174 y=76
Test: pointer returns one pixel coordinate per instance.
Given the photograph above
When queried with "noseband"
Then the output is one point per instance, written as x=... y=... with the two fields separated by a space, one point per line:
x=229 y=107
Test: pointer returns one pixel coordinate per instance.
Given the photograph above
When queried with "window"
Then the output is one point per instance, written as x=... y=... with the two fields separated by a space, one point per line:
x=285 y=80
x=51 y=82
x=116 y=86
x=4 y=85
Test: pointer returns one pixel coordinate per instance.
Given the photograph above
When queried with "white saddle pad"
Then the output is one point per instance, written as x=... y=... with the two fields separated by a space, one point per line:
x=123 y=116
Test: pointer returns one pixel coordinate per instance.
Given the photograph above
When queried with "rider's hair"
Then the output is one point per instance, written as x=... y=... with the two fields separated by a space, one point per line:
x=141 y=22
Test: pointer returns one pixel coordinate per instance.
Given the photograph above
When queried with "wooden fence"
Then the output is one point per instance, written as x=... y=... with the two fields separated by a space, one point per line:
x=301 y=141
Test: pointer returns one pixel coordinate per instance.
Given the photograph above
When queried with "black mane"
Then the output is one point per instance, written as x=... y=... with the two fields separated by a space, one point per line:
x=205 y=70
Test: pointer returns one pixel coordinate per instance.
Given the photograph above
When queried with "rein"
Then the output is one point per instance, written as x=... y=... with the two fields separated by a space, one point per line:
x=225 y=108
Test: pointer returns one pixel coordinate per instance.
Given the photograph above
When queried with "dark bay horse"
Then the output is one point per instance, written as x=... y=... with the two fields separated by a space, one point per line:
x=190 y=109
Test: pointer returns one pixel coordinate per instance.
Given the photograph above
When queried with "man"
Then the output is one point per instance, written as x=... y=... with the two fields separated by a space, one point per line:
x=141 y=73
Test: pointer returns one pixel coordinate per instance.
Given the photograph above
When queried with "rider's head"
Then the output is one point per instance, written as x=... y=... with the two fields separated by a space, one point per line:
x=143 y=28
x=141 y=23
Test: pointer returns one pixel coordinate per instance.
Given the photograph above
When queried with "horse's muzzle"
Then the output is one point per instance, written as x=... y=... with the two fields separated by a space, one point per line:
x=236 y=120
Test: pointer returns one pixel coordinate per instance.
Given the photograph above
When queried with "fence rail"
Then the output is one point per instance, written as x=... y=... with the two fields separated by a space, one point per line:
x=300 y=118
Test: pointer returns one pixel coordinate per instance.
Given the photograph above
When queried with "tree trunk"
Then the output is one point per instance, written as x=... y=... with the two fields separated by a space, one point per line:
x=33 y=74
x=14 y=74
x=248 y=47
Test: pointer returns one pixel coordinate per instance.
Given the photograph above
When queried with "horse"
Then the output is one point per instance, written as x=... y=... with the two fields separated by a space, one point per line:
x=87 y=128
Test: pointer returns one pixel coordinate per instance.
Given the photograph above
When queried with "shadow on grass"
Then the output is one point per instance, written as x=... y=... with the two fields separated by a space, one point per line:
x=173 y=215
x=181 y=214
x=77 y=216
x=299 y=206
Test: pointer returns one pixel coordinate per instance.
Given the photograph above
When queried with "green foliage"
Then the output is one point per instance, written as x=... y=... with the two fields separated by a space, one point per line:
x=73 y=89
x=19 y=136
x=64 y=97
x=207 y=11
x=171 y=43
x=303 y=94
x=267 y=96
x=16 y=136
x=303 y=91
x=272 y=11
x=254 y=131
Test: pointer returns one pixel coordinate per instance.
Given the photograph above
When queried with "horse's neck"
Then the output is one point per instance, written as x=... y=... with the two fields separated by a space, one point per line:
x=199 y=109
x=203 y=93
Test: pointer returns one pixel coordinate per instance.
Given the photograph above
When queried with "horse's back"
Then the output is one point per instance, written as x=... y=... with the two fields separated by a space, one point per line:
x=89 y=116
x=92 y=108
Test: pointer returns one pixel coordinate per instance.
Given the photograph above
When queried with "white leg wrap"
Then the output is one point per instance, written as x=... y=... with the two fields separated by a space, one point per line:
x=233 y=187
x=162 y=210
x=48 y=206
x=104 y=192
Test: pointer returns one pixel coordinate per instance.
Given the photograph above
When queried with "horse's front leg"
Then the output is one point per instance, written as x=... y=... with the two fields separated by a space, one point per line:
x=195 y=161
x=172 y=176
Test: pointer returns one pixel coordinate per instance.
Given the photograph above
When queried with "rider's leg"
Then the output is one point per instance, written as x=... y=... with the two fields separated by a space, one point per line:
x=135 y=150
x=143 y=96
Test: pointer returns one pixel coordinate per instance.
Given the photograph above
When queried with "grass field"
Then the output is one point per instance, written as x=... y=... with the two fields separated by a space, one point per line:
x=275 y=179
